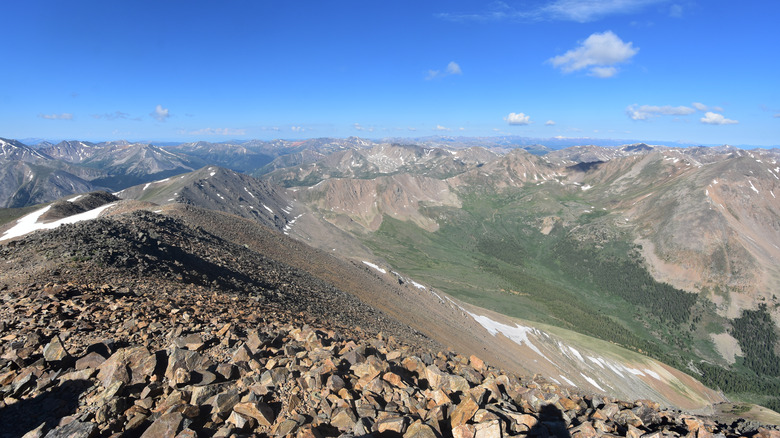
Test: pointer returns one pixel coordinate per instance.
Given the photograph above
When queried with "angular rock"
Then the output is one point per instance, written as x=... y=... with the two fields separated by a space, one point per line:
x=258 y=410
x=344 y=419
x=55 y=351
x=167 y=426
x=489 y=429
x=418 y=429
x=394 y=424
x=90 y=360
x=463 y=412
x=627 y=417
x=286 y=428
x=463 y=431
x=75 y=429
x=182 y=359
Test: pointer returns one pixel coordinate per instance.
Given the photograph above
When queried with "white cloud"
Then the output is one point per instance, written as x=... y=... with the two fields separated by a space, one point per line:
x=603 y=72
x=160 y=113
x=581 y=11
x=702 y=107
x=359 y=127
x=218 y=131
x=549 y=123
x=711 y=118
x=600 y=52
x=452 y=69
x=441 y=128
x=297 y=128
x=63 y=116
x=645 y=112
x=461 y=129
x=116 y=115
x=517 y=119
x=411 y=129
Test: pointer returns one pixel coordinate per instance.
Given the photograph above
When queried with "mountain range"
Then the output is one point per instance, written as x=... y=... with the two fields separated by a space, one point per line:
x=615 y=270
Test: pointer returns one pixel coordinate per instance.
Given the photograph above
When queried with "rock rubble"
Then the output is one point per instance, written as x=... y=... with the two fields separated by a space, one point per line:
x=86 y=360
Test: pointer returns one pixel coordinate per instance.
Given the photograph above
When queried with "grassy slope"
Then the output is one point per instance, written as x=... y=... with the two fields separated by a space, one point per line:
x=492 y=254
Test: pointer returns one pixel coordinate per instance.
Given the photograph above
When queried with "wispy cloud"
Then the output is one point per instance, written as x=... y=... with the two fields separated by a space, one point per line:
x=217 y=131
x=702 y=107
x=581 y=11
x=160 y=113
x=452 y=69
x=518 y=119
x=441 y=128
x=359 y=127
x=599 y=52
x=297 y=128
x=63 y=116
x=116 y=115
x=549 y=123
x=645 y=112
x=711 y=118
x=676 y=11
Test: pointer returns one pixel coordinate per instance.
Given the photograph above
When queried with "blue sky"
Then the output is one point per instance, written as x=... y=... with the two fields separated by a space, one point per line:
x=691 y=71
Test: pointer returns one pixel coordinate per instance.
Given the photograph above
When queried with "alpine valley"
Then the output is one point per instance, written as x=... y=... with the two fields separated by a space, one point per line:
x=337 y=274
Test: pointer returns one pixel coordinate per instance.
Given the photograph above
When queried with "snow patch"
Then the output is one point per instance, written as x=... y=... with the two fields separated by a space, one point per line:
x=576 y=353
x=653 y=374
x=566 y=380
x=375 y=267
x=586 y=187
x=518 y=334
x=634 y=371
x=592 y=382
x=30 y=223
x=268 y=208
x=752 y=186
x=75 y=198
x=417 y=285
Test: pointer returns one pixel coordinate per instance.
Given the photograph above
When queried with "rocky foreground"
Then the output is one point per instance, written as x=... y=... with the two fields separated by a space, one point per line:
x=90 y=360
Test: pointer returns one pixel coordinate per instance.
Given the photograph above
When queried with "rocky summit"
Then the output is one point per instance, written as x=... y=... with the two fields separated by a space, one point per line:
x=95 y=360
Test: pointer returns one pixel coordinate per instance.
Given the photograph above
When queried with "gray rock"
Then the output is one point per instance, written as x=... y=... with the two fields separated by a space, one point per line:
x=55 y=351
x=167 y=426
x=74 y=429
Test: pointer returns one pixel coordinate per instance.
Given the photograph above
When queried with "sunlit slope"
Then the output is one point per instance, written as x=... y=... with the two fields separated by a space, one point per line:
x=659 y=250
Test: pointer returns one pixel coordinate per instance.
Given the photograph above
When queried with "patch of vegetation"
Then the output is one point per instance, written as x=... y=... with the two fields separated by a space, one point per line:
x=757 y=338
x=763 y=390
x=624 y=278
x=583 y=276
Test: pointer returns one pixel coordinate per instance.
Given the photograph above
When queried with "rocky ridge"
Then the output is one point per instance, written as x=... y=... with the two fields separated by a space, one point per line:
x=89 y=360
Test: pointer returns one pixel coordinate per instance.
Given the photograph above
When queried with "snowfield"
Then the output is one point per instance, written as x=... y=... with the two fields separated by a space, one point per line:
x=30 y=223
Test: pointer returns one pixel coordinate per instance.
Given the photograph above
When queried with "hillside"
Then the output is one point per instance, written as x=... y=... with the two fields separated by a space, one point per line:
x=220 y=189
x=161 y=272
x=510 y=258
x=697 y=226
